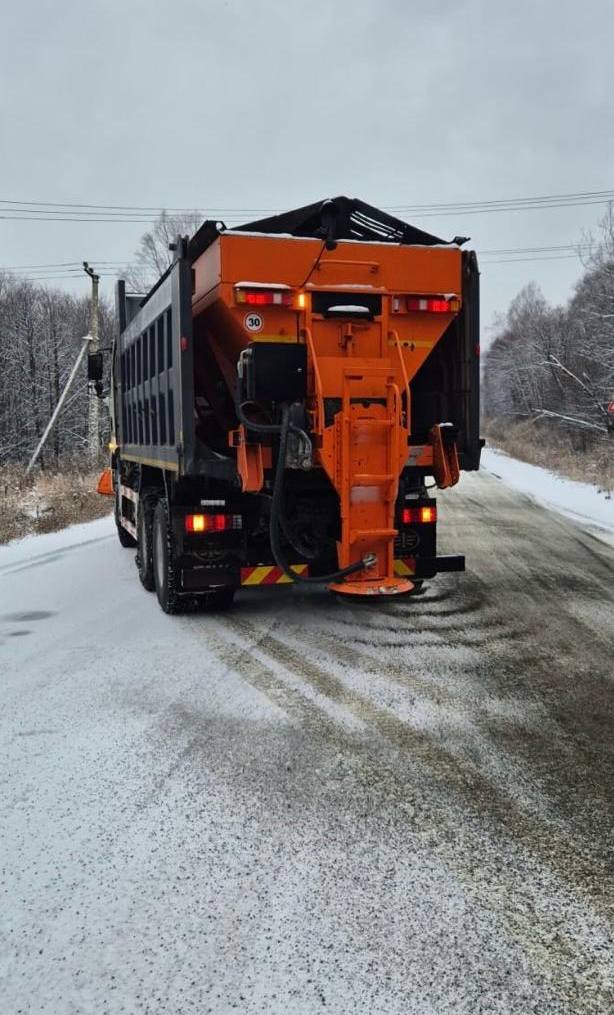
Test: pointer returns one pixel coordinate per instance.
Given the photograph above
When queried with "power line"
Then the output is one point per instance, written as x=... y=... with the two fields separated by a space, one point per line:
x=62 y=275
x=54 y=210
x=521 y=260
x=68 y=266
x=458 y=213
x=538 y=250
x=588 y=195
x=137 y=207
x=47 y=215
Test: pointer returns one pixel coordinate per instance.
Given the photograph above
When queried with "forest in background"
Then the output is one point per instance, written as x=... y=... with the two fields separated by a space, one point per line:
x=548 y=377
x=41 y=330
x=549 y=372
x=40 y=336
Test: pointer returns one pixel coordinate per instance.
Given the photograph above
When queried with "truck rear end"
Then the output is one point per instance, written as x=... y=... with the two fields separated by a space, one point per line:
x=285 y=398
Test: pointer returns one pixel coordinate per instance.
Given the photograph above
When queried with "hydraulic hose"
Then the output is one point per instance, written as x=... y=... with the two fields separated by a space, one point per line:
x=270 y=428
x=277 y=519
x=250 y=424
x=277 y=514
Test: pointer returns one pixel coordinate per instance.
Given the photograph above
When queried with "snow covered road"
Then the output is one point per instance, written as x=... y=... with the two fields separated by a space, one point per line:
x=305 y=805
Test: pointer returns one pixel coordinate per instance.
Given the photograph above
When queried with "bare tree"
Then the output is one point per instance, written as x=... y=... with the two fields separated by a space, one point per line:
x=153 y=256
x=555 y=366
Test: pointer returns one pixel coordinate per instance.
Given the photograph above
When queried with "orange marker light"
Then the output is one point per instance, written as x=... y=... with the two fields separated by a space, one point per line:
x=195 y=523
x=212 y=523
x=428 y=514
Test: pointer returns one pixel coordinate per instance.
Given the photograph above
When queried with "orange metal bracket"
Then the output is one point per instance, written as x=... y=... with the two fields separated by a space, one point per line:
x=446 y=469
x=306 y=334
x=250 y=464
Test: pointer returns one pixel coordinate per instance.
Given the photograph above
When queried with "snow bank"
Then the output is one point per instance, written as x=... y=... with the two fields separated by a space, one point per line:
x=582 y=502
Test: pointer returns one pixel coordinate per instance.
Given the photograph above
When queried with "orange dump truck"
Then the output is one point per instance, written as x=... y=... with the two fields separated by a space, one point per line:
x=284 y=399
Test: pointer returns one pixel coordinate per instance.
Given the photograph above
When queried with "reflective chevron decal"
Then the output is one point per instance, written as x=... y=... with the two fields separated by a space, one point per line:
x=269 y=574
x=405 y=566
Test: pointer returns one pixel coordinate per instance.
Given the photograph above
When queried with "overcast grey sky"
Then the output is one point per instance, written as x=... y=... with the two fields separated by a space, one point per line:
x=269 y=104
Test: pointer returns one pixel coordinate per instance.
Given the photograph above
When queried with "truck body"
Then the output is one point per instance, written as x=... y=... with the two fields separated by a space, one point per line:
x=284 y=398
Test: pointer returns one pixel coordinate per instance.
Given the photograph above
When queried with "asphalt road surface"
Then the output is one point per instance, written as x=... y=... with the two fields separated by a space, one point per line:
x=306 y=805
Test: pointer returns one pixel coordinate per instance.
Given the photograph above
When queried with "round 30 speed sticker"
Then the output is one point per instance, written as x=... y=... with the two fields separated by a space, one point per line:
x=253 y=322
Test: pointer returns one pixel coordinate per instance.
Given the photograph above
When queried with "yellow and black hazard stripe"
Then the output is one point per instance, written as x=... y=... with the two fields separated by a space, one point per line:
x=269 y=574
x=405 y=566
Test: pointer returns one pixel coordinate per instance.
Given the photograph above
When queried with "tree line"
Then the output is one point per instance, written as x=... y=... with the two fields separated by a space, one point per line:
x=551 y=365
x=40 y=337
x=555 y=365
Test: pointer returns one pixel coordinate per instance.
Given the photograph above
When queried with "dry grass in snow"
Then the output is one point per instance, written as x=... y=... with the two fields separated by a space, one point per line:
x=538 y=447
x=47 y=501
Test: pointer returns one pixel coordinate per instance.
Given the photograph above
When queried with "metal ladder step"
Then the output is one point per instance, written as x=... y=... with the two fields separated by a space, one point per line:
x=371 y=479
x=357 y=534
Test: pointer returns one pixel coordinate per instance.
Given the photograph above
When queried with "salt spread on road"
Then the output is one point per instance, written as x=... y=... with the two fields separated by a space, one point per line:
x=308 y=805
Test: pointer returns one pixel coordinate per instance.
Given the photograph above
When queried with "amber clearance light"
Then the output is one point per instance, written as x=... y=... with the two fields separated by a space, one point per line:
x=211 y=523
x=420 y=515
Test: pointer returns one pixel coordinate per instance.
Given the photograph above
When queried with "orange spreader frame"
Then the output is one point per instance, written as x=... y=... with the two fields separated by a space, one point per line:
x=361 y=367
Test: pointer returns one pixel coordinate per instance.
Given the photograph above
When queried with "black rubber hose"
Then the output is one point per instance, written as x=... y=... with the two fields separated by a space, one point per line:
x=277 y=511
x=262 y=427
x=267 y=428
x=250 y=424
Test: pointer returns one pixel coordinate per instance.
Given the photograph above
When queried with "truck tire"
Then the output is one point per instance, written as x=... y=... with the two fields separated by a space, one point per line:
x=144 y=528
x=166 y=572
x=125 y=539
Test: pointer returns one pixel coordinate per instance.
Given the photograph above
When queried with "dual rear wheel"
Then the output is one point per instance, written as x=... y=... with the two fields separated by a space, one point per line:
x=157 y=566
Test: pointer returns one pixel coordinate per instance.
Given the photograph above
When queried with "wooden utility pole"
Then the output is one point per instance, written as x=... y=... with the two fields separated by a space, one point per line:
x=93 y=415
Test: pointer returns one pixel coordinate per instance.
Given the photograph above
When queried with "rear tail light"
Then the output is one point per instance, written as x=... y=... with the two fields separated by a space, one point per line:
x=264 y=297
x=434 y=304
x=212 y=523
x=420 y=515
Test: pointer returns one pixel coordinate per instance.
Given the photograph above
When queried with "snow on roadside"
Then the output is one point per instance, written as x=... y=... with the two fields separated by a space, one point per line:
x=40 y=544
x=581 y=502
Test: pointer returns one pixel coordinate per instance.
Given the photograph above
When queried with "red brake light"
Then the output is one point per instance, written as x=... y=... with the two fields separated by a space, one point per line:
x=211 y=523
x=264 y=297
x=420 y=515
x=434 y=304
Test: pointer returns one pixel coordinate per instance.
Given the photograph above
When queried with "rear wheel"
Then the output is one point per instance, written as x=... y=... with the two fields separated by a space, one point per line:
x=144 y=553
x=165 y=571
x=167 y=577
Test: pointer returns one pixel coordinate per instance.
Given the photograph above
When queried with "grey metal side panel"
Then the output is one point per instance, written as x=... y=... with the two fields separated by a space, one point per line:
x=471 y=331
x=154 y=382
x=181 y=280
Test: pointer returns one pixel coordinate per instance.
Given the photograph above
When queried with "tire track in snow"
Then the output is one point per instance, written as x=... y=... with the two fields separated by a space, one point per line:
x=519 y=861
